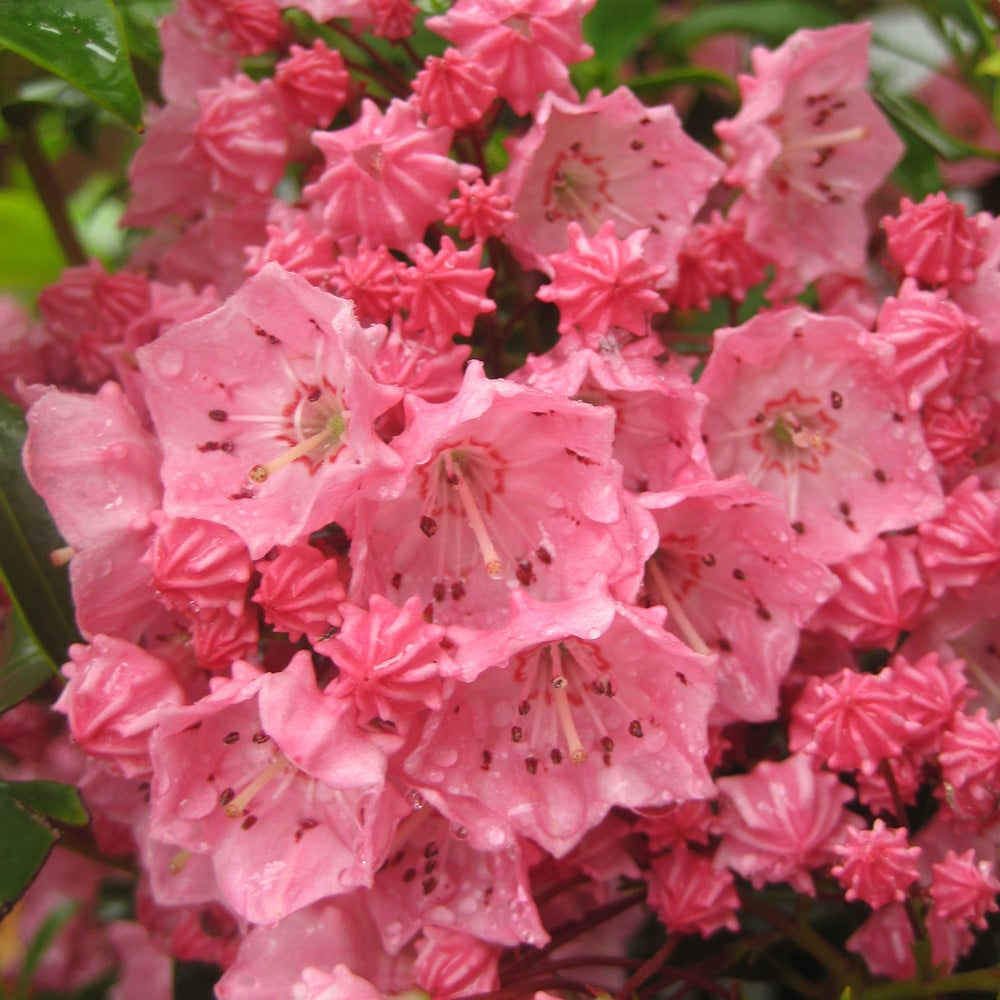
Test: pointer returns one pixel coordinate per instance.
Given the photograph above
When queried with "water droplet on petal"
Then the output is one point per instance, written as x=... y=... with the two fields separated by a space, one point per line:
x=170 y=362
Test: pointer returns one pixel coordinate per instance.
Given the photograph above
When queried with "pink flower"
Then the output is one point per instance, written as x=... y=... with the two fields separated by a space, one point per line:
x=526 y=44
x=387 y=177
x=935 y=242
x=807 y=148
x=312 y=83
x=877 y=865
x=691 y=895
x=602 y=283
x=370 y=278
x=451 y=963
x=279 y=406
x=964 y=890
x=609 y=158
x=781 y=820
x=479 y=210
x=970 y=766
x=444 y=292
x=802 y=405
x=452 y=90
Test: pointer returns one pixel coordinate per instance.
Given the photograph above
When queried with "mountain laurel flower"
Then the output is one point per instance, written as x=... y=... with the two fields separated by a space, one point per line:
x=877 y=865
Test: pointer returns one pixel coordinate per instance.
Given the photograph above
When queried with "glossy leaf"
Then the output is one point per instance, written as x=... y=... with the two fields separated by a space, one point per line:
x=24 y=665
x=83 y=42
x=48 y=798
x=24 y=846
x=38 y=590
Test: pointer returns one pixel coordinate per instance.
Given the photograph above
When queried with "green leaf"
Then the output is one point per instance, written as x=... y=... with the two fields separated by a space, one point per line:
x=24 y=846
x=48 y=798
x=697 y=76
x=83 y=42
x=42 y=941
x=38 y=590
x=30 y=256
x=141 y=21
x=615 y=28
x=770 y=20
x=24 y=665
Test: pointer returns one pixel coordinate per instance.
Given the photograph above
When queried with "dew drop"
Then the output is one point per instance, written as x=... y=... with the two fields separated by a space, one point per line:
x=170 y=362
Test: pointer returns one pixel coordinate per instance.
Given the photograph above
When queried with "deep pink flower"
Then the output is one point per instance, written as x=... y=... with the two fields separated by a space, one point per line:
x=452 y=963
x=806 y=149
x=970 y=766
x=392 y=19
x=221 y=635
x=526 y=45
x=444 y=292
x=301 y=590
x=876 y=865
x=609 y=158
x=964 y=889
x=691 y=894
x=387 y=177
x=603 y=282
x=276 y=438
x=370 y=278
x=781 y=820
x=312 y=83
x=452 y=90
x=479 y=210
x=934 y=241
x=803 y=404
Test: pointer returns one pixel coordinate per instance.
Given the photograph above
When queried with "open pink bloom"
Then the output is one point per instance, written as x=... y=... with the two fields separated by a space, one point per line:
x=591 y=705
x=933 y=338
x=434 y=876
x=387 y=177
x=729 y=573
x=883 y=592
x=97 y=468
x=508 y=488
x=525 y=45
x=245 y=776
x=876 y=865
x=114 y=698
x=276 y=438
x=806 y=149
x=444 y=292
x=658 y=410
x=964 y=889
x=312 y=83
x=802 y=405
x=603 y=282
x=340 y=984
x=935 y=241
x=781 y=820
x=452 y=90
x=609 y=158
x=691 y=894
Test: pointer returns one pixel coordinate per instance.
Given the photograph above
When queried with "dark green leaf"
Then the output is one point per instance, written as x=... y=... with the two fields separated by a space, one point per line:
x=615 y=28
x=694 y=75
x=42 y=940
x=38 y=590
x=83 y=42
x=48 y=798
x=24 y=846
x=771 y=21
x=140 y=19
x=918 y=173
x=24 y=665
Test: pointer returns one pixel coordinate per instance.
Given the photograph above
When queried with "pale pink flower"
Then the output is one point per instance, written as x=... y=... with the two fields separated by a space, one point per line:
x=609 y=158
x=341 y=984
x=806 y=149
x=935 y=242
x=280 y=405
x=312 y=83
x=877 y=865
x=301 y=590
x=444 y=292
x=691 y=894
x=452 y=90
x=526 y=45
x=387 y=177
x=603 y=282
x=781 y=820
x=802 y=404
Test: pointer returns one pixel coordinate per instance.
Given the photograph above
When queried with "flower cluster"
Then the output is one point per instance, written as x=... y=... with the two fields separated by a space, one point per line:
x=440 y=610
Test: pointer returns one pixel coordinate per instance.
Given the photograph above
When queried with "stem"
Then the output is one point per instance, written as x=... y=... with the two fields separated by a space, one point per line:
x=975 y=981
x=20 y=120
x=648 y=968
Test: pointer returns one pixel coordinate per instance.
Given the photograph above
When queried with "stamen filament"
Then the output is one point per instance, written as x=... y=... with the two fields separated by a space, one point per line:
x=61 y=556
x=260 y=473
x=824 y=139
x=666 y=594
x=491 y=558
x=236 y=806
x=576 y=752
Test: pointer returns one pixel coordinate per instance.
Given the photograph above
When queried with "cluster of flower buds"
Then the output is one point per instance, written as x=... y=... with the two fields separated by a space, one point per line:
x=445 y=620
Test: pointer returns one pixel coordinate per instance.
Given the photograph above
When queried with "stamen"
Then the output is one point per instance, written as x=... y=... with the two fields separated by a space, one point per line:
x=235 y=806
x=176 y=864
x=60 y=557
x=491 y=558
x=666 y=594
x=331 y=432
x=559 y=684
x=823 y=139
